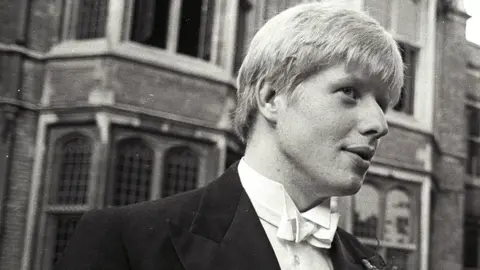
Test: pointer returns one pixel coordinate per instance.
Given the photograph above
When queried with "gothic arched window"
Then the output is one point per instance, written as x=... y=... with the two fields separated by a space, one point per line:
x=386 y=219
x=74 y=167
x=180 y=171
x=398 y=217
x=132 y=172
x=367 y=211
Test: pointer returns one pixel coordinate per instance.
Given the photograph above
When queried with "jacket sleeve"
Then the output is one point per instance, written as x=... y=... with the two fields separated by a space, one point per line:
x=96 y=244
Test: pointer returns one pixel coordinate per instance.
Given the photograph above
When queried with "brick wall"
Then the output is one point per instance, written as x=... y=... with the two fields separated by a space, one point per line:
x=8 y=20
x=403 y=147
x=167 y=91
x=449 y=110
x=21 y=77
x=44 y=24
x=447 y=214
x=72 y=81
x=33 y=78
x=18 y=191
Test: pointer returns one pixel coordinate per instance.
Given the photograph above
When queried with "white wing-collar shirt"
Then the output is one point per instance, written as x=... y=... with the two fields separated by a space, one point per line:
x=299 y=240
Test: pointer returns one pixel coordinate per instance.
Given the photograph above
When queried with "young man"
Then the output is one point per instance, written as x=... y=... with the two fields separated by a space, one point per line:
x=312 y=95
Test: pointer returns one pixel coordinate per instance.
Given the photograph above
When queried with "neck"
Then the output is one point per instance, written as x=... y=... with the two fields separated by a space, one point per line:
x=263 y=155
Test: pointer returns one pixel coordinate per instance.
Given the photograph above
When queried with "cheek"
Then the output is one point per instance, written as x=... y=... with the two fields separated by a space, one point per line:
x=328 y=128
x=312 y=125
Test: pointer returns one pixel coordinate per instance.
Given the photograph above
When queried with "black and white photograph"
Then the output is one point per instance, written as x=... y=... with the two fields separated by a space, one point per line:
x=240 y=134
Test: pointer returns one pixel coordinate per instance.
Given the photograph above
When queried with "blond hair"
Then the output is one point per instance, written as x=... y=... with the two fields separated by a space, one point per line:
x=305 y=39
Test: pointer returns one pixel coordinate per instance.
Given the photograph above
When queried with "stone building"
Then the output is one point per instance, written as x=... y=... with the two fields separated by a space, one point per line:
x=106 y=103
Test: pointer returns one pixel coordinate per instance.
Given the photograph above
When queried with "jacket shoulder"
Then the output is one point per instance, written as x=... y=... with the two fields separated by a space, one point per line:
x=180 y=207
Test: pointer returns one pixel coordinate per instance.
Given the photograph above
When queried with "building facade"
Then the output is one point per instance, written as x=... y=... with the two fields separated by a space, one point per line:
x=106 y=103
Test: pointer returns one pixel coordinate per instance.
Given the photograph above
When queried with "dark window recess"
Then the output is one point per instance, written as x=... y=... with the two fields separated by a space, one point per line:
x=150 y=22
x=473 y=149
x=473 y=158
x=471 y=246
x=133 y=172
x=196 y=22
x=64 y=228
x=180 y=171
x=473 y=116
x=74 y=168
x=91 y=19
x=241 y=37
x=409 y=56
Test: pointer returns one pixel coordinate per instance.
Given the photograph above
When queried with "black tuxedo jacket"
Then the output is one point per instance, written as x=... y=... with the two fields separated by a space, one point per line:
x=214 y=227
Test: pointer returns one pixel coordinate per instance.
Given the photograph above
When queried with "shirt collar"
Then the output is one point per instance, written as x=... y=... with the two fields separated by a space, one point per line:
x=272 y=195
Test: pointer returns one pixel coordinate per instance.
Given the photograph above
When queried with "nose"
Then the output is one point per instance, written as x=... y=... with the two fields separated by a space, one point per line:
x=373 y=122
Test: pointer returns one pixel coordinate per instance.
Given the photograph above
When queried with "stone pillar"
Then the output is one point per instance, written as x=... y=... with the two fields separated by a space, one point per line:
x=449 y=131
x=102 y=159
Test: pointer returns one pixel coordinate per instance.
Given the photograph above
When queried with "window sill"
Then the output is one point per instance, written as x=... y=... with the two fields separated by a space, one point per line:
x=407 y=121
x=381 y=243
x=75 y=48
x=181 y=63
x=156 y=57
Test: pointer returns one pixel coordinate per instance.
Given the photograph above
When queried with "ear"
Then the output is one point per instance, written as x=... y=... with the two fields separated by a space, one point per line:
x=268 y=102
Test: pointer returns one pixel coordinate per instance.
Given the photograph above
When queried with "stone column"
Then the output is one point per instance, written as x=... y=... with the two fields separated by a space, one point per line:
x=449 y=131
x=102 y=159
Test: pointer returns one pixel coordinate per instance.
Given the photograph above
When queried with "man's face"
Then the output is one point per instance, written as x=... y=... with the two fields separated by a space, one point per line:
x=329 y=132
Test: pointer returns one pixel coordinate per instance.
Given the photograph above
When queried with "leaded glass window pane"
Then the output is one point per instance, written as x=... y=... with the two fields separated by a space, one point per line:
x=74 y=168
x=366 y=212
x=398 y=224
x=64 y=228
x=133 y=172
x=180 y=171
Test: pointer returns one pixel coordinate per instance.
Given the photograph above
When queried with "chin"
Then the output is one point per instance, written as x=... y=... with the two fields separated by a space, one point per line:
x=350 y=187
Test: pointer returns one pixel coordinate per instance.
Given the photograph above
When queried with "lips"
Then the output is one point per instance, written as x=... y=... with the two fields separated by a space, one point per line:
x=366 y=152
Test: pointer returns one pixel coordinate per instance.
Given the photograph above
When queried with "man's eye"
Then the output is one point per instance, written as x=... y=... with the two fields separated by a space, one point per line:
x=351 y=92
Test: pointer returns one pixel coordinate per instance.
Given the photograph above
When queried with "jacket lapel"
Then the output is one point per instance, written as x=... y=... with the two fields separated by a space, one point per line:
x=226 y=232
x=341 y=258
x=348 y=254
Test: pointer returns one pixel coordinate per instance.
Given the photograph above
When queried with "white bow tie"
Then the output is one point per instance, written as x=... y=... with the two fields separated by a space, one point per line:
x=299 y=228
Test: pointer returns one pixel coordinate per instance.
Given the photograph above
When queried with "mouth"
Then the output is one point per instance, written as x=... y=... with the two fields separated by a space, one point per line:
x=365 y=152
